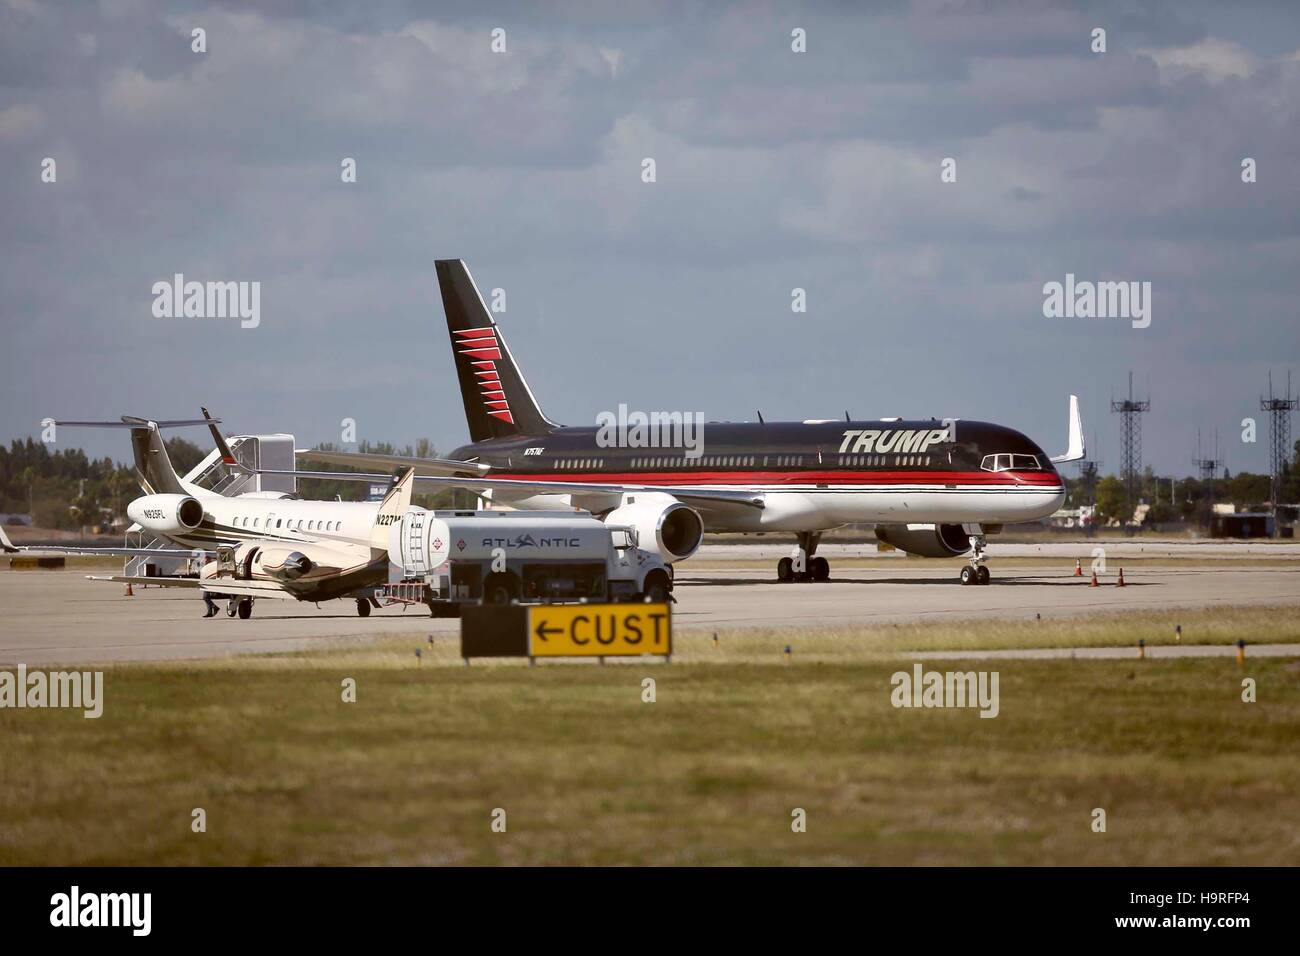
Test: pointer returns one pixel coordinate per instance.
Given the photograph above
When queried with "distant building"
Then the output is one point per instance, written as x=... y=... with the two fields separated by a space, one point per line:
x=1248 y=524
x=1081 y=517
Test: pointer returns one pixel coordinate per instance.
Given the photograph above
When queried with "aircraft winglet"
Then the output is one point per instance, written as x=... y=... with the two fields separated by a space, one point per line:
x=1076 y=451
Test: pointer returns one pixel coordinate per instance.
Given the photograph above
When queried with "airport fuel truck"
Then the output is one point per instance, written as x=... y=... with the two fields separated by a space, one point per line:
x=444 y=559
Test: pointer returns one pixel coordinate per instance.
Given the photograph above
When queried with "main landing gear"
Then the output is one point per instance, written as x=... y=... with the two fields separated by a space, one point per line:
x=802 y=565
x=977 y=571
x=241 y=606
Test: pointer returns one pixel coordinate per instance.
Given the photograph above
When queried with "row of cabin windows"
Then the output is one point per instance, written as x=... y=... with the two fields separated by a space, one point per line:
x=875 y=461
x=773 y=461
x=296 y=524
x=707 y=461
x=704 y=461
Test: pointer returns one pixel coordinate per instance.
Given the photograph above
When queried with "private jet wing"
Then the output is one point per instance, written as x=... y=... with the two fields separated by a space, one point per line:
x=259 y=589
x=423 y=466
x=705 y=496
x=8 y=547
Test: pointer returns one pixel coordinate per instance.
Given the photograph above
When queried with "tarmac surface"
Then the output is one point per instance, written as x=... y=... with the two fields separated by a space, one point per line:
x=1116 y=549
x=1159 y=652
x=60 y=617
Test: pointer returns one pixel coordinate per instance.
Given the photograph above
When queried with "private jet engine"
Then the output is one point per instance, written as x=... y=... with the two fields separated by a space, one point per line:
x=166 y=514
x=292 y=566
x=926 y=540
x=662 y=524
x=288 y=563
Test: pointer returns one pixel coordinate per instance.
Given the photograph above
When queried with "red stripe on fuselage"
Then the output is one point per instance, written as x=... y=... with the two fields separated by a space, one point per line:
x=1046 y=481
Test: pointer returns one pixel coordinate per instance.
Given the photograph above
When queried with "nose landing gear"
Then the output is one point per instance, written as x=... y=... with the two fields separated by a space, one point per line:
x=977 y=571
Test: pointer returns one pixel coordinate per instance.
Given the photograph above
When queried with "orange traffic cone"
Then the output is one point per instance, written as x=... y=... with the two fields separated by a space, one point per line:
x=1120 y=582
x=1078 y=568
x=129 y=591
x=1094 y=583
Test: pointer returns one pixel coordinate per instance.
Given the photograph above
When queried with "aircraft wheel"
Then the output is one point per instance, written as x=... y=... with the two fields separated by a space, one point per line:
x=785 y=570
x=982 y=575
x=363 y=608
x=820 y=569
x=245 y=609
x=231 y=608
x=968 y=575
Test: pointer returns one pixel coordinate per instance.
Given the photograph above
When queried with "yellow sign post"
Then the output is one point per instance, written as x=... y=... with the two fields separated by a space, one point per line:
x=599 y=630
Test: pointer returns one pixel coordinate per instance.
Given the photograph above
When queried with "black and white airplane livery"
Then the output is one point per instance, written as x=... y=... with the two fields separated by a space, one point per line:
x=931 y=487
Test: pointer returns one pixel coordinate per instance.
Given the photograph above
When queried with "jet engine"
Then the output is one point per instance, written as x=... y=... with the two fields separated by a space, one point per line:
x=166 y=514
x=286 y=564
x=662 y=524
x=293 y=566
x=926 y=540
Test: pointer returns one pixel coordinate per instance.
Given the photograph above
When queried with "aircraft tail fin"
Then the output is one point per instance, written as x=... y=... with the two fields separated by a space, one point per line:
x=392 y=507
x=153 y=466
x=498 y=402
x=227 y=456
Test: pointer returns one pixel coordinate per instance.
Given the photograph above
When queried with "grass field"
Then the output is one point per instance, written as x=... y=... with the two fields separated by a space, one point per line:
x=709 y=773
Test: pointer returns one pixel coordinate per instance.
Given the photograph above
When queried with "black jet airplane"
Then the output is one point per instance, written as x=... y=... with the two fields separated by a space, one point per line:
x=931 y=487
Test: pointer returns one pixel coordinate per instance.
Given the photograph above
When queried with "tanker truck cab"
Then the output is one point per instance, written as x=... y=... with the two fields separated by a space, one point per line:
x=445 y=559
x=635 y=566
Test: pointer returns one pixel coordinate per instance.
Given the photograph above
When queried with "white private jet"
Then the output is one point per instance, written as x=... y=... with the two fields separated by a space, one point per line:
x=260 y=547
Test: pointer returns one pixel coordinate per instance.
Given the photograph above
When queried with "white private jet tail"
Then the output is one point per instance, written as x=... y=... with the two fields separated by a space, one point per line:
x=1076 y=451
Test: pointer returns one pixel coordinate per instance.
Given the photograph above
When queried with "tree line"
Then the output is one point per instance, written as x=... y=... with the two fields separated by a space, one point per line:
x=66 y=490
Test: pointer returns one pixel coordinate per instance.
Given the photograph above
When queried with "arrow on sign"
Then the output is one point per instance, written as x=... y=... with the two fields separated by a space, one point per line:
x=543 y=630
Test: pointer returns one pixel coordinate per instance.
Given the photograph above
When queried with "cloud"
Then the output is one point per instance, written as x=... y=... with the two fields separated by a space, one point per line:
x=775 y=170
x=1216 y=59
x=19 y=122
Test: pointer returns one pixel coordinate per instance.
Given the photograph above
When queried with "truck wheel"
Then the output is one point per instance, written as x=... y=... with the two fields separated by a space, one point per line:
x=500 y=589
x=656 y=588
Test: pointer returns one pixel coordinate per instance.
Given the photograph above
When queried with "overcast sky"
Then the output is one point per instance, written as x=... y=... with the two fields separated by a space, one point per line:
x=775 y=170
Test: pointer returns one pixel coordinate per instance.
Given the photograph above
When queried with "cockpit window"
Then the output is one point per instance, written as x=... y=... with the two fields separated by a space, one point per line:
x=1010 y=463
